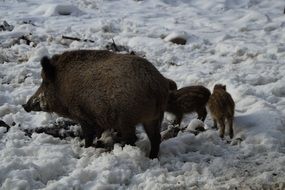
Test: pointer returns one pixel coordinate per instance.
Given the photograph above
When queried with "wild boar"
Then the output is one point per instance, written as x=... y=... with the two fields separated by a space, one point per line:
x=104 y=90
x=186 y=100
x=221 y=107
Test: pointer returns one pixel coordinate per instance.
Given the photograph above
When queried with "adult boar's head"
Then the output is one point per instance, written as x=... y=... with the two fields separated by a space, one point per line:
x=45 y=96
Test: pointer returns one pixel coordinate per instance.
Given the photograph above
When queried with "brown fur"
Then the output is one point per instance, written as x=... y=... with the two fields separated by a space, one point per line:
x=222 y=106
x=188 y=99
x=103 y=90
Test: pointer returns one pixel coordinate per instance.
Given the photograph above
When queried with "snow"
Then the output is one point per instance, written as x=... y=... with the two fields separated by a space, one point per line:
x=236 y=43
x=57 y=10
x=194 y=124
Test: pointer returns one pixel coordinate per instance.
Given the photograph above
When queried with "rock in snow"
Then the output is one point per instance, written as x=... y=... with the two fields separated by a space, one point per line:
x=57 y=10
x=177 y=38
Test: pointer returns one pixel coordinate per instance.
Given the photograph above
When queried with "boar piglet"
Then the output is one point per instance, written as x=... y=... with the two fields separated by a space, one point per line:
x=187 y=100
x=104 y=90
x=221 y=107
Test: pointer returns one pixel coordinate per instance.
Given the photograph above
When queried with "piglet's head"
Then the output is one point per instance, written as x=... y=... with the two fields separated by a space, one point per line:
x=220 y=87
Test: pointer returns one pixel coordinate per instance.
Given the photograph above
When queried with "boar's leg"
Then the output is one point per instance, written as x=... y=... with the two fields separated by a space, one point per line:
x=128 y=134
x=88 y=135
x=231 y=131
x=202 y=114
x=89 y=132
x=152 y=129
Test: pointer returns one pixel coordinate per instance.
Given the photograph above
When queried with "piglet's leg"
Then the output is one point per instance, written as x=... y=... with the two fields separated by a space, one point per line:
x=178 y=119
x=202 y=114
x=222 y=127
x=215 y=124
x=231 y=131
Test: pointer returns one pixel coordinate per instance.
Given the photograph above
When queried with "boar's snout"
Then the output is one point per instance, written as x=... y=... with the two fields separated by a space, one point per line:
x=33 y=104
x=32 y=107
x=27 y=108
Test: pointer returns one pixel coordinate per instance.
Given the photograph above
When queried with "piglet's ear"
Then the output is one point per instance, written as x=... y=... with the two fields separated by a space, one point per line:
x=48 y=68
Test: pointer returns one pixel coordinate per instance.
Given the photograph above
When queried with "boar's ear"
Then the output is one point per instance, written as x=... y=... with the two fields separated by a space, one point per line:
x=48 y=68
x=172 y=85
x=224 y=87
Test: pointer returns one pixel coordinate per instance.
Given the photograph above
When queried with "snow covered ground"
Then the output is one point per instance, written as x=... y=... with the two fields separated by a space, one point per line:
x=237 y=43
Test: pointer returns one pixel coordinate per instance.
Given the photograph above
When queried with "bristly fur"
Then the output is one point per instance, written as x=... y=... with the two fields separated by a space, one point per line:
x=186 y=100
x=103 y=90
x=222 y=106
